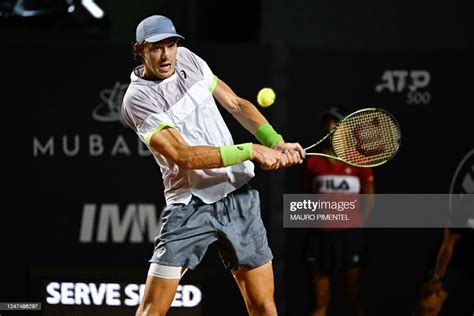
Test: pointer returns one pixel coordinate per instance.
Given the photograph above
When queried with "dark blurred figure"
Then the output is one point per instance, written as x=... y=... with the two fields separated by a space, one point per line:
x=449 y=289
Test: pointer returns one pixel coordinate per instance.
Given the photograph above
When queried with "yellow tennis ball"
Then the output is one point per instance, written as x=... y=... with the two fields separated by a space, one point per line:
x=266 y=97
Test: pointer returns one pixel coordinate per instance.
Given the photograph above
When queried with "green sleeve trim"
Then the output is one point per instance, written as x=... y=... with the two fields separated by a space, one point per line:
x=267 y=135
x=213 y=84
x=156 y=130
x=234 y=154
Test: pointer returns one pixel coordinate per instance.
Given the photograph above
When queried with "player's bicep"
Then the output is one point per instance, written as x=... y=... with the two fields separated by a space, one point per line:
x=169 y=143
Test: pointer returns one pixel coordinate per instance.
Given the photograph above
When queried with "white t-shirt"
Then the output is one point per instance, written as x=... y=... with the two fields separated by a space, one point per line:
x=185 y=102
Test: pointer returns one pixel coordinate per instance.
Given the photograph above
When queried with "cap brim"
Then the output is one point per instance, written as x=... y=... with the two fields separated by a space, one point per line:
x=160 y=37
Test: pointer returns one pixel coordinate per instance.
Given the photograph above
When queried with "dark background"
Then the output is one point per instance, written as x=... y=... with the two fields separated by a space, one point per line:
x=60 y=68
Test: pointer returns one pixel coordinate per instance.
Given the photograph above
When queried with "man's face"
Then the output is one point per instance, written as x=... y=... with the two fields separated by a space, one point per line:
x=159 y=58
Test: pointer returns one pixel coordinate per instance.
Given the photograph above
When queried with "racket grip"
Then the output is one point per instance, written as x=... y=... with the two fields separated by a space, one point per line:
x=304 y=153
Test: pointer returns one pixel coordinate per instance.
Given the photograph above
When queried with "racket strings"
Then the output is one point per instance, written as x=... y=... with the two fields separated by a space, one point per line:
x=366 y=138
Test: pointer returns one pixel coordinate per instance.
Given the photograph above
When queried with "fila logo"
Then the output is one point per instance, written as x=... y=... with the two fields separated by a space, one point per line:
x=330 y=184
x=103 y=223
x=336 y=183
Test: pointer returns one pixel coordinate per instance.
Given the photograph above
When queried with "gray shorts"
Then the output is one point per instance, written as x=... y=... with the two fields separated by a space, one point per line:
x=234 y=222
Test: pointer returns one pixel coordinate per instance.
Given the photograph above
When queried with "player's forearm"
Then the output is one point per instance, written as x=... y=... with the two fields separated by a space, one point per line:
x=248 y=115
x=169 y=143
x=243 y=111
x=206 y=157
x=199 y=157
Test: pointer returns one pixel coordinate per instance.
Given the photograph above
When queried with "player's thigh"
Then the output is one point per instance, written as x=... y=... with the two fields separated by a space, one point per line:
x=159 y=294
x=256 y=284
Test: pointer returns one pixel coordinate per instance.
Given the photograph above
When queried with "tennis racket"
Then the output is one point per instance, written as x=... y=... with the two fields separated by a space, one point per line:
x=365 y=138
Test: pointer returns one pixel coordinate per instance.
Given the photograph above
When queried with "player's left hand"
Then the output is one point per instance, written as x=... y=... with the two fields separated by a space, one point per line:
x=293 y=151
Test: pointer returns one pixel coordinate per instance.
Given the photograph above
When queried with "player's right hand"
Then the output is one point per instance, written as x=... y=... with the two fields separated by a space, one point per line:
x=269 y=159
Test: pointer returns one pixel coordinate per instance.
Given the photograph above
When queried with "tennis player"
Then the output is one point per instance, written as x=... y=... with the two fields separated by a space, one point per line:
x=170 y=104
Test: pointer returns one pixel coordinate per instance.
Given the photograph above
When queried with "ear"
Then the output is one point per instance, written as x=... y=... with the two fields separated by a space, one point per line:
x=138 y=48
